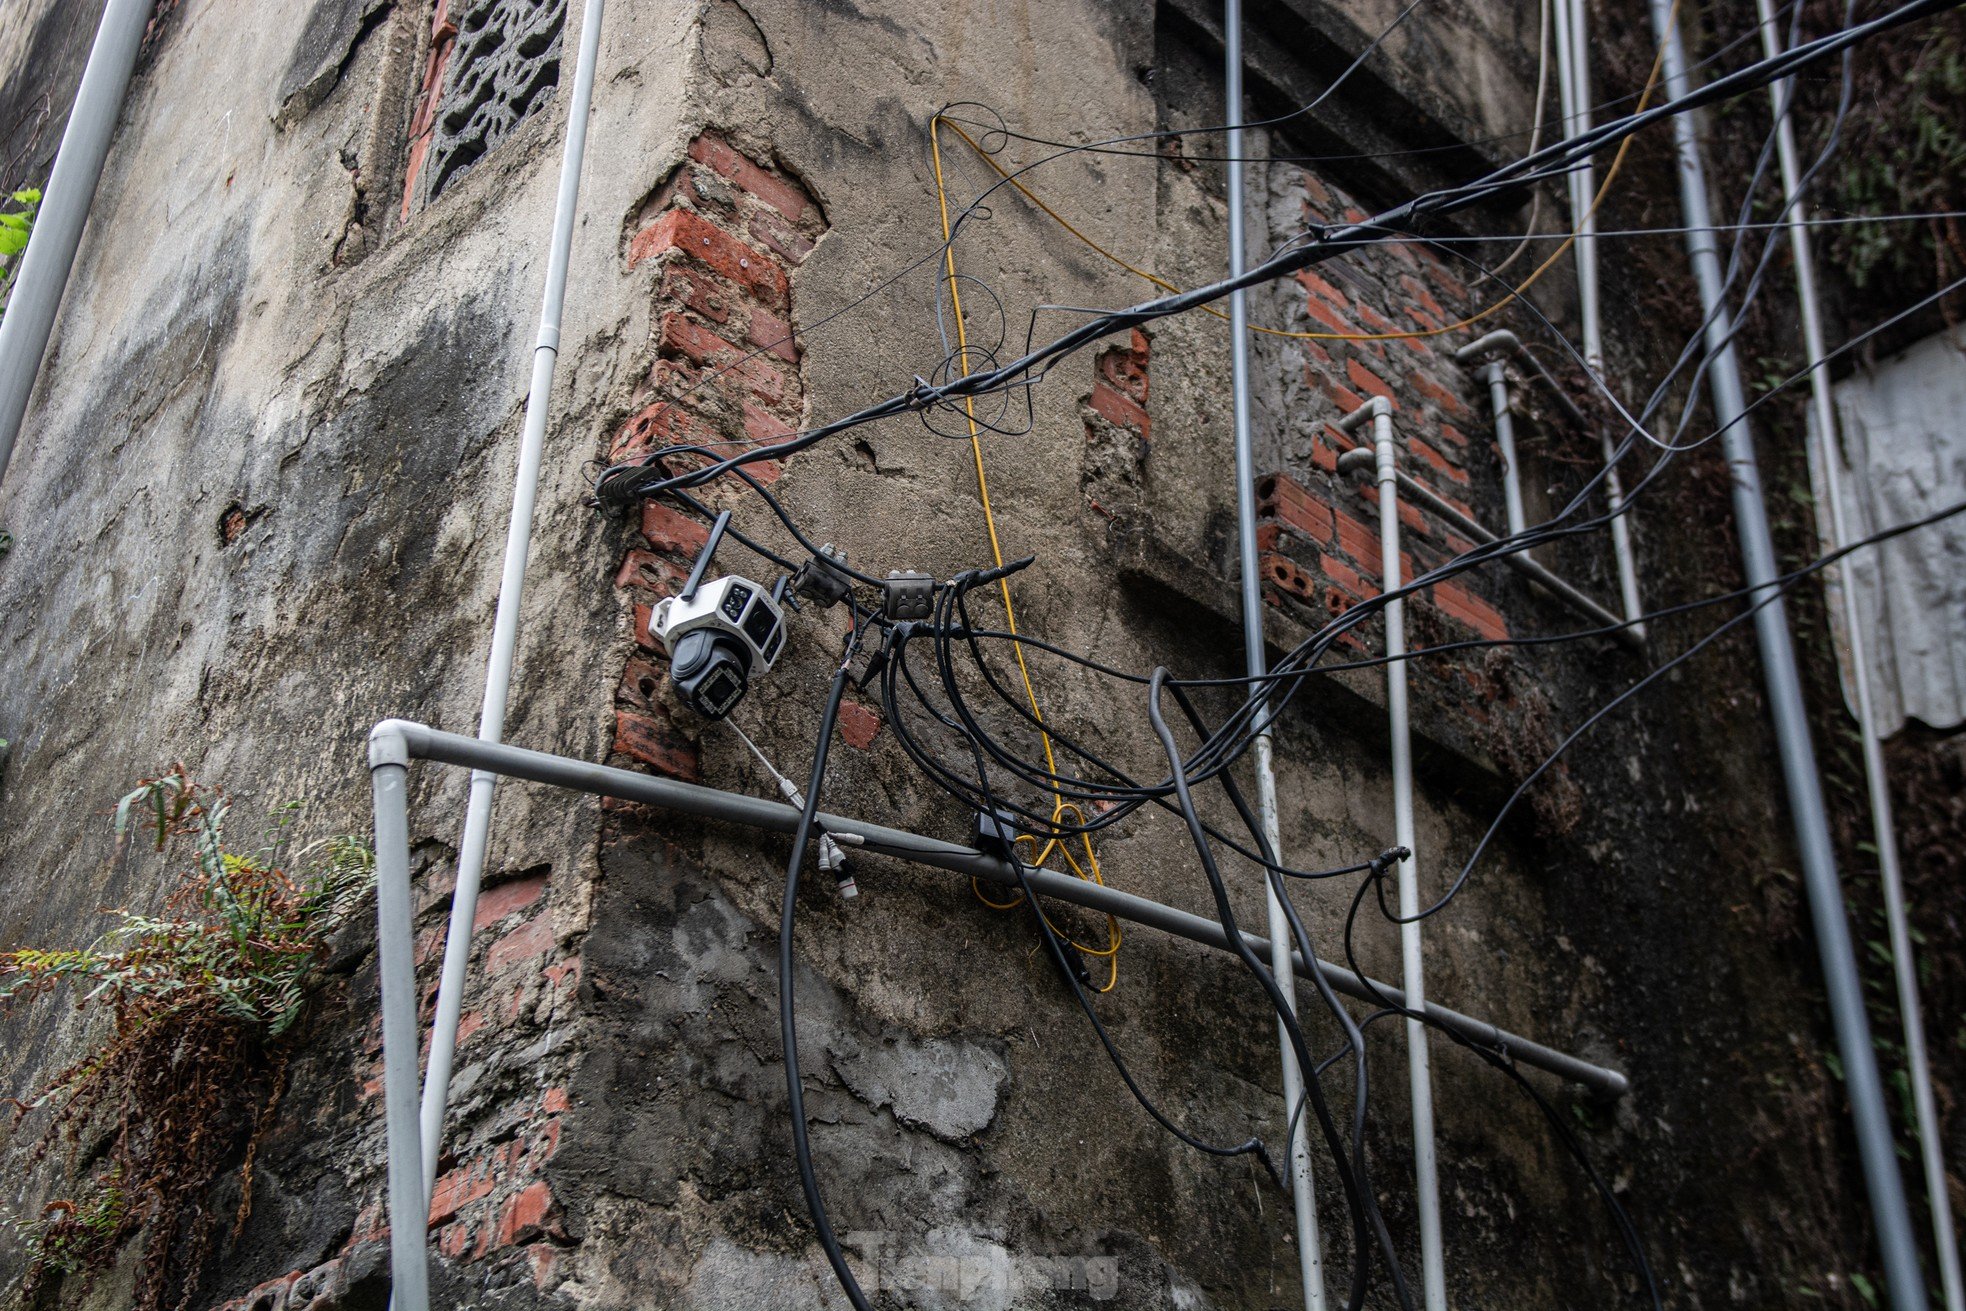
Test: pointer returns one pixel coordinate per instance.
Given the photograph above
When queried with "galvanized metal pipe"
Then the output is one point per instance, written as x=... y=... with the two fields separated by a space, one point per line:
x=1361 y=459
x=42 y=275
x=393 y=743
x=1836 y=531
x=1498 y=399
x=1862 y=1083
x=1573 y=77
x=1433 y=1269
x=511 y=594
x=1310 y=1254
x=395 y=915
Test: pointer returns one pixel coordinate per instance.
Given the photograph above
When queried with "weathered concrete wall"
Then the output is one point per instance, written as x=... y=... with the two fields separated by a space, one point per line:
x=618 y=1137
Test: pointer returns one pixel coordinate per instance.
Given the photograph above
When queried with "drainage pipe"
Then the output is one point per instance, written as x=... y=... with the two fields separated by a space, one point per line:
x=1497 y=374
x=1310 y=1256
x=511 y=591
x=1573 y=85
x=71 y=190
x=1875 y=1148
x=1504 y=340
x=1433 y=1272
x=395 y=916
x=1360 y=459
x=1836 y=530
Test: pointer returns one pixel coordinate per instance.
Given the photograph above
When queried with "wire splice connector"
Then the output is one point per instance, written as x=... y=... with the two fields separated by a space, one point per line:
x=832 y=860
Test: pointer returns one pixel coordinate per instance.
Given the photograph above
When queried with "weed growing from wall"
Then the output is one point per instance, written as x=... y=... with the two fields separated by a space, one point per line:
x=200 y=1007
x=16 y=226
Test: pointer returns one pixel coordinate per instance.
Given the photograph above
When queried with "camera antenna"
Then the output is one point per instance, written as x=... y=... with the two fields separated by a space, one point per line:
x=703 y=557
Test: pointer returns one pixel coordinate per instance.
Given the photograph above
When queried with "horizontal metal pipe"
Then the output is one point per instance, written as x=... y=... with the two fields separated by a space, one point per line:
x=426 y=743
x=1359 y=459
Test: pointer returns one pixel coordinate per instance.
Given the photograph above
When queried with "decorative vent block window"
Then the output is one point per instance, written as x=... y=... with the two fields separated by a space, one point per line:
x=502 y=64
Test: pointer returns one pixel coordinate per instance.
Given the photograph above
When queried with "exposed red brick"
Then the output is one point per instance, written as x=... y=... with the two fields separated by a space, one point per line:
x=1453 y=435
x=1448 y=402
x=1470 y=610
x=669 y=529
x=454 y=1241
x=508 y=898
x=1126 y=368
x=1439 y=463
x=785 y=197
x=1419 y=292
x=529 y=941
x=1352 y=581
x=1316 y=190
x=697 y=238
x=1374 y=320
x=526 y=1215
x=769 y=332
x=457 y=1189
x=555 y=1101
x=762 y=426
x=1366 y=380
x=1285 y=573
x=1119 y=409
x=655 y=744
x=767 y=229
x=662 y=424
x=858 y=724
x=1327 y=316
x=648 y=570
x=1282 y=498
x=1357 y=540
x=698 y=292
x=1319 y=287
x=643 y=613
x=468 y=1023
x=1410 y=516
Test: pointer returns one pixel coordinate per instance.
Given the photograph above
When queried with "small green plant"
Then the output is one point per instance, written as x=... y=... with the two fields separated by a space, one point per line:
x=16 y=226
x=200 y=1005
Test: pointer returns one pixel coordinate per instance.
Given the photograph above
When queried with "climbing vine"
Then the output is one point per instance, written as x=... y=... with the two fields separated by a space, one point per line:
x=200 y=1007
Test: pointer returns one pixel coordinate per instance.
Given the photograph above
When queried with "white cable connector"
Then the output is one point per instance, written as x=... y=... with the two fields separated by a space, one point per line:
x=832 y=860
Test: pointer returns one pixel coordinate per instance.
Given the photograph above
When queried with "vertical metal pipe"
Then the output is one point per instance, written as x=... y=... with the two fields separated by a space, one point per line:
x=65 y=202
x=1574 y=53
x=511 y=591
x=1862 y=1083
x=1419 y=1068
x=1836 y=528
x=1310 y=1257
x=1498 y=397
x=409 y=1202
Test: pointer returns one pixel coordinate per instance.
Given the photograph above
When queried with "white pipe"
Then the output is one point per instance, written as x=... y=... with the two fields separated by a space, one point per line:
x=1310 y=1254
x=1573 y=77
x=511 y=590
x=1498 y=397
x=1433 y=1267
x=71 y=190
x=1836 y=531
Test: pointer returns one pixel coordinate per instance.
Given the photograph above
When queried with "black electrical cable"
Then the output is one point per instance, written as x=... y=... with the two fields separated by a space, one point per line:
x=1358 y=1196
x=788 y=1022
x=626 y=482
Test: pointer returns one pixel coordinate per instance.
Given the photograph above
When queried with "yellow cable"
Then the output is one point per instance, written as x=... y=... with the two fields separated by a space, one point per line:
x=1060 y=807
x=1604 y=189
